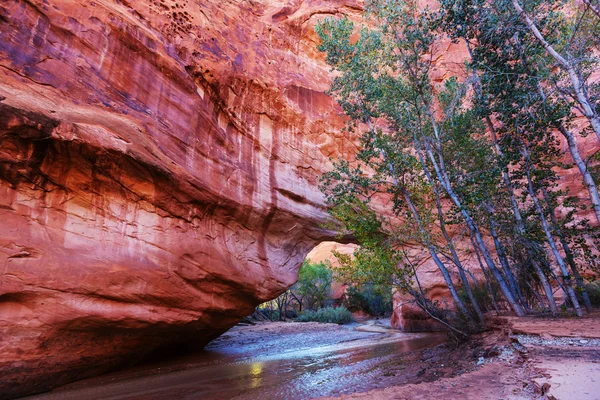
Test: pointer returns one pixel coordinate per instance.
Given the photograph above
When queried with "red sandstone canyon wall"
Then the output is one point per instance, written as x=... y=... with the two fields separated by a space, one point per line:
x=158 y=173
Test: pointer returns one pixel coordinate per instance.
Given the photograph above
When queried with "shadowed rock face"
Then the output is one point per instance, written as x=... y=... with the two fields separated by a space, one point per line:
x=158 y=174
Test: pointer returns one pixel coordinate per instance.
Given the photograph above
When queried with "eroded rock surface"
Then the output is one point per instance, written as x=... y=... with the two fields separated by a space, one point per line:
x=158 y=173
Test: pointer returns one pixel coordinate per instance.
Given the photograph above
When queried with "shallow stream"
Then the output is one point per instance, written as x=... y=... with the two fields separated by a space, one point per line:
x=274 y=361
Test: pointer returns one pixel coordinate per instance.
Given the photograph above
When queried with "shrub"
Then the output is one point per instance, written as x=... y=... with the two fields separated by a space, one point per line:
x=482 y=295
x=338 y=316
x=372 y=299
x=593 y=291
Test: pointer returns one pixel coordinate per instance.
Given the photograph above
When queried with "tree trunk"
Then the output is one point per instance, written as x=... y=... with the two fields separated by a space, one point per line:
x=485 y=275
x=551 y=243
x=457 y=262
x=445 y=183
x=594 y=7
x=521 y=230
x=453 y=253
x=515 y=206
x=568 y=254
x=460 y=305
x=510 y=277
x=546 y=286
x=539 y=298
x=588 y=179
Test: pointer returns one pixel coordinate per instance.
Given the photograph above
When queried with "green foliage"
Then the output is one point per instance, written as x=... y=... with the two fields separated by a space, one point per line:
x=593 y=291
x=314 y=283
x=332 y=315
x=482 y=295
x=474 y=153
x=371 y=299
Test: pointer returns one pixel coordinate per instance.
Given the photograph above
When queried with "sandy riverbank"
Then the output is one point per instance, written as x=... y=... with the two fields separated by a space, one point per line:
x=527 y=358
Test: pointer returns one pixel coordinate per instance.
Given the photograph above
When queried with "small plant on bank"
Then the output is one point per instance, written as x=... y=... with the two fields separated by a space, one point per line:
x=484 y=295
x=593 y=289
x=338 y=316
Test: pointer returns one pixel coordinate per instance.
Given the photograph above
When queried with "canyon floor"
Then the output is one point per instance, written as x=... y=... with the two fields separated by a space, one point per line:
x=521 y=358
x=530 y=358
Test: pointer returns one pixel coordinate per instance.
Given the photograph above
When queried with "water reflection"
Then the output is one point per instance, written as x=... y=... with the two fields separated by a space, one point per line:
x=256 y=369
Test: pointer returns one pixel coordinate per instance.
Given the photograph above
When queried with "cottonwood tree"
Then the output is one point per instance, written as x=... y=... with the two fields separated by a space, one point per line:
x=484 y=162
x=574 y=55
x=314 y=284
x=385 y=78
x=513 y=70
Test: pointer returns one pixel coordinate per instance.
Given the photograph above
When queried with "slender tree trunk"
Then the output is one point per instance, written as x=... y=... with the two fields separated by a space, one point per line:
x=299 y=301
x=577 y=83
x=546 y=286
x=458 y=263
x=460 y=305
x=521 y=230
x=505 y=176
x=432 y=251
x=485 y=275
x=425 y=304
x=578 y=279
x=510 y=277
x=594 y=7
x=546 y=228
x=537 y=296
x=588 y=179
x=568 y=254
x=558 y=282
x=453 y=253
x=445 y=183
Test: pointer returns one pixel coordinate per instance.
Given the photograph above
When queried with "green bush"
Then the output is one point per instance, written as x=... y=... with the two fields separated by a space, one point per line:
x=593 y=291
x=482 y=295
x=338 y=316
x=372 y=299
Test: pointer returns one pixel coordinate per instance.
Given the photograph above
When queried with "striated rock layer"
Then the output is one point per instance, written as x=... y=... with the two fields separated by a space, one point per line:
x=158 y=173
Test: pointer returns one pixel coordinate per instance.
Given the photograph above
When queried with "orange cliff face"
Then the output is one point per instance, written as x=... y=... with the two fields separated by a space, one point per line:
x=159 y=163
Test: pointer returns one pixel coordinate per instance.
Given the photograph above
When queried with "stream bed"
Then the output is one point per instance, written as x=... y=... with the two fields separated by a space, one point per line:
x=267 y=361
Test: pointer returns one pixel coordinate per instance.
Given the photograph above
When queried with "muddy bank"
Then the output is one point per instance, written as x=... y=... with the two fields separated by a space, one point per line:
x=488 y=367
x=521 y=358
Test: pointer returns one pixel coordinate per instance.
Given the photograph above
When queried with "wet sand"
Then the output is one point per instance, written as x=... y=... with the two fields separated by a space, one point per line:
x=522 y=359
